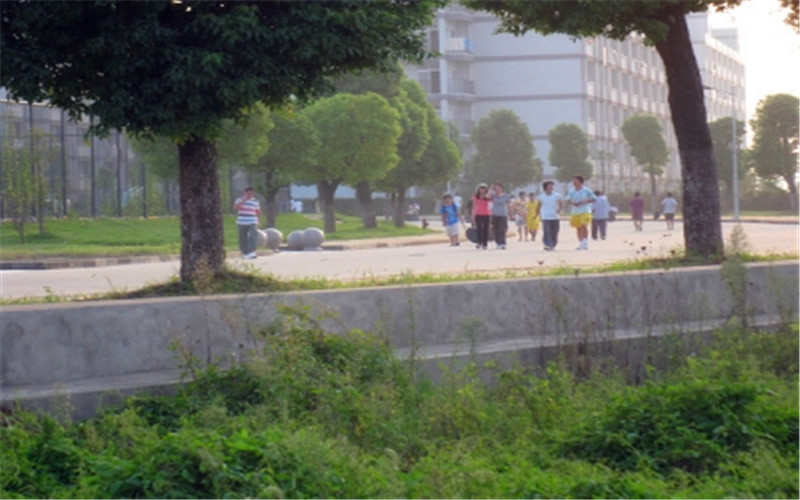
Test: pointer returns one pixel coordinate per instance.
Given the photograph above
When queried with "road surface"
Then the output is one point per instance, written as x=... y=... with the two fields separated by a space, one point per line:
x=622 y=244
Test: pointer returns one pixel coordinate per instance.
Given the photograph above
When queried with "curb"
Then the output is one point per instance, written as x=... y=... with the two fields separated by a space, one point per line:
x=47 y=264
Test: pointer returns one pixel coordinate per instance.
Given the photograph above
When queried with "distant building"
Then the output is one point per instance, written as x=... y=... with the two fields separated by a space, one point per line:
x=595 y=83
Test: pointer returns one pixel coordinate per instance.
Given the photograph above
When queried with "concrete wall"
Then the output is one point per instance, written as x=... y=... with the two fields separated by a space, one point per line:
x=84 y=349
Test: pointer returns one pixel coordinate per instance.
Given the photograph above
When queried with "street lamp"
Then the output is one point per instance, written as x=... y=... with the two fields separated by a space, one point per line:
x=735 y=160
x=734 y=149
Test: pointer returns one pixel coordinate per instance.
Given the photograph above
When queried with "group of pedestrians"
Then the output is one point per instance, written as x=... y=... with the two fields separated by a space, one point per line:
x=491 y=208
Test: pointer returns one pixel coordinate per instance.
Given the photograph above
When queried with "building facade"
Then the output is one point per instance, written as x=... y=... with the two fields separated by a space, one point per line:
x=595 y=83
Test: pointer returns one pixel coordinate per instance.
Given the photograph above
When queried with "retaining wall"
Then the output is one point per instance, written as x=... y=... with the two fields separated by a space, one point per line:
x=83 y=350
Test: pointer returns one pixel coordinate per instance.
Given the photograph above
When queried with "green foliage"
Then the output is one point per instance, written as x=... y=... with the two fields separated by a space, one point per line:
x=18 y=184
x=504 y=151
x=293 y=146
x=615 y=20
x=645 y=138
x=358 y=136
x=244 y=143
x=774 y=151
x=721 y=137
x=569 y=150
x=320 y=414
x=691 y=421
x=178 y=69
x=159 y=235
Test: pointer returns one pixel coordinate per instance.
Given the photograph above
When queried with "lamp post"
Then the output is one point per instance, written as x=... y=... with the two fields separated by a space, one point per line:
x=735 y=159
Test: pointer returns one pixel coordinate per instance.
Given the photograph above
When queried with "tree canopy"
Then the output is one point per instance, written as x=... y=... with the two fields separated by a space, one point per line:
x=178 y=69
x=721 y=138
x=358 y=141
x=293 y=148
x=504 y=150
x=663 y=23
x=645 y=139
x=569 y=152
x=774 y=151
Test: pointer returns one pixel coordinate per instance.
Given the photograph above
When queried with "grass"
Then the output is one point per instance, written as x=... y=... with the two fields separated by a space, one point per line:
x=232 y=281
x=157 y=236
x=316 y=415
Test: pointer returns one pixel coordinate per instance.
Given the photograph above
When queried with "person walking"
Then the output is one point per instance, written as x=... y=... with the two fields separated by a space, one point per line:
x=248 y=210
x=451 y=219
x=533 y=222
x=481 y=214
x=499 y=210
x=669 y=206
x=519 y=212
x=599 y=215
x=550 y=206
x=580 y=198
x=637 y=211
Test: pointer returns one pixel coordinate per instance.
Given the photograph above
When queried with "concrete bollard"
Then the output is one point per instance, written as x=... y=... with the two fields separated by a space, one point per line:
x=295 y=240
x=313 y=239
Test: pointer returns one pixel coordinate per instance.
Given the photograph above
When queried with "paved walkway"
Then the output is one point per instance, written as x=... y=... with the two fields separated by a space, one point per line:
x=394 y=256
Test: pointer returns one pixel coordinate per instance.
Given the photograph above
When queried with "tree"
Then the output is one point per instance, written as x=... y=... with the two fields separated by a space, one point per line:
x=178 y=69
x=293 y=147
x=243 y=143
x=427 y=155
x=358 y=141
x=645 y=138
x=775 y=140
x=569 y=150
x=721 y=138
x=160 y=156
x=18 y=184
x=504 y=150
x=793 y=6
x=663 y=23
x=386 y=84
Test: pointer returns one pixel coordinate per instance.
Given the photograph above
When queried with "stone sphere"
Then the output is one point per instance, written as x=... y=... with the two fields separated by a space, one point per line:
x=313 y=238
x=295 y=240
x=274 y=238
x=261 y=238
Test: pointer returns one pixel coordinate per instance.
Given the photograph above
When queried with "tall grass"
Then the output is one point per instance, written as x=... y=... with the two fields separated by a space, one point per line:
x=338 y=416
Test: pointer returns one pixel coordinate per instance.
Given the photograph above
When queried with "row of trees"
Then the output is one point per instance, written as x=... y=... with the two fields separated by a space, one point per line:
x=376 y=132
x=504 y=148
x=179 y=69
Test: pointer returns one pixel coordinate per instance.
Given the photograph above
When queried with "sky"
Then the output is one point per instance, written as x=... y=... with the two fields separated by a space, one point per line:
x=770 y=49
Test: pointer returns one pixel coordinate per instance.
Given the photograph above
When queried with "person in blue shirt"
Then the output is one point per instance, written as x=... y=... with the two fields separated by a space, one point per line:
x=599 y=215
x=451 y=218
x=580 y=198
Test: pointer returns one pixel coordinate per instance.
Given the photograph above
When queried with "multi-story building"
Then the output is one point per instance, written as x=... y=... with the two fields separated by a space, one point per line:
x=595 y=83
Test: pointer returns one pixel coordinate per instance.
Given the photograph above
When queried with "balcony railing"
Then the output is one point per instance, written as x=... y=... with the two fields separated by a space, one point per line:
x=461 y=86
x=458 y=45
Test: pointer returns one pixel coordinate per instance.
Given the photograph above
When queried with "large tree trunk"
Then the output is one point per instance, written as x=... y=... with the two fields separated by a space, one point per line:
x=702 y=231
x=364 y=195
x=327 y=190
x=400 y=209
x=201 y=209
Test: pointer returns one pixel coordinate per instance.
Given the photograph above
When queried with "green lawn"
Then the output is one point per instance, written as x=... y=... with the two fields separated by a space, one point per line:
x=156 y=236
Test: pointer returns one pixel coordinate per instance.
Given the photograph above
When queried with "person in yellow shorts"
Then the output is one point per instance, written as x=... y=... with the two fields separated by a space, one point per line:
x=580 y=198
x=534 y=220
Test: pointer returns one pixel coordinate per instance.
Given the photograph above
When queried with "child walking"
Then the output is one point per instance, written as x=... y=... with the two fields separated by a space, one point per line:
x=451 y=218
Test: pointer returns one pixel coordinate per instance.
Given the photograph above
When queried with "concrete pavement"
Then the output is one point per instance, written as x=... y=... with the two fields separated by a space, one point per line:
x=395 y=256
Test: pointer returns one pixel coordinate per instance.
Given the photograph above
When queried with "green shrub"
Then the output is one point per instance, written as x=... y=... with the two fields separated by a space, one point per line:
x=338 y=416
